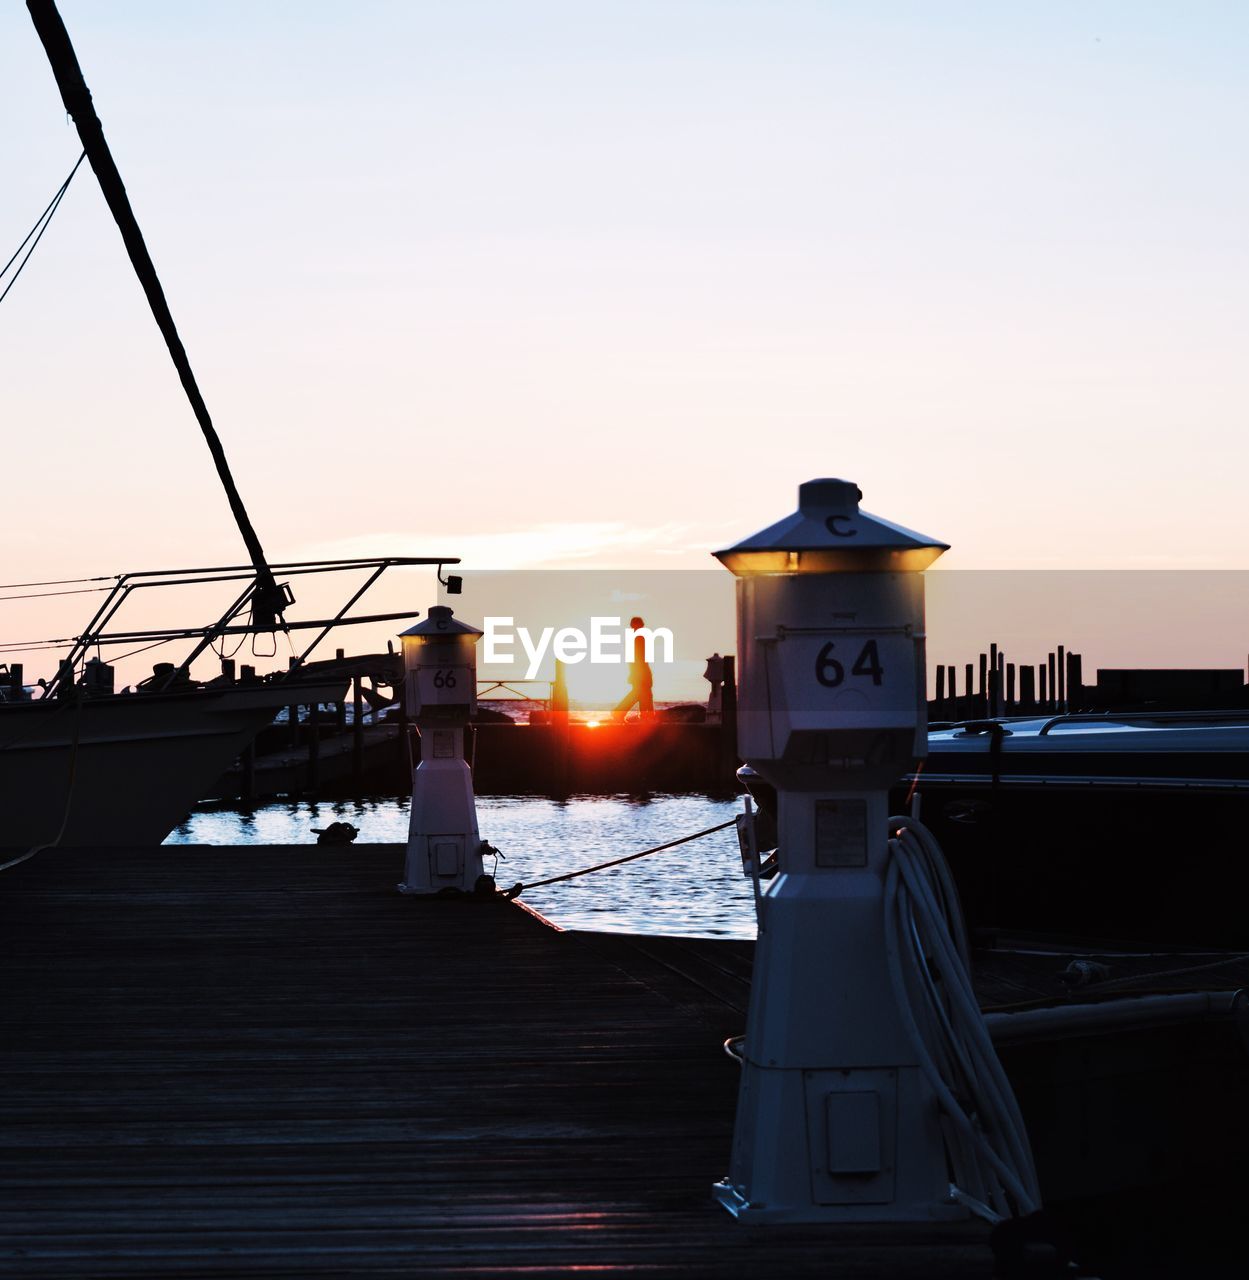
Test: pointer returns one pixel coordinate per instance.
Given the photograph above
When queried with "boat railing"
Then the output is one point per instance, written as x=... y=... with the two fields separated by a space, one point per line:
x=1079 y=719
x=1146 y=718
x=486 y=687
x=238 y=618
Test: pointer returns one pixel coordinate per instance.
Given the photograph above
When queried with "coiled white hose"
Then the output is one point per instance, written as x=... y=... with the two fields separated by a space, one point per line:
x=990 y=1157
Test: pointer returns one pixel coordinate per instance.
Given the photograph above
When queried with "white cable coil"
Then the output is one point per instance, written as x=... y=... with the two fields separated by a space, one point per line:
x=990 y=1157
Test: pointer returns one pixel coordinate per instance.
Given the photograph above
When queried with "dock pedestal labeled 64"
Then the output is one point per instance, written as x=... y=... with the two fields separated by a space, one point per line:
x=440 y=685
x=835 y=1120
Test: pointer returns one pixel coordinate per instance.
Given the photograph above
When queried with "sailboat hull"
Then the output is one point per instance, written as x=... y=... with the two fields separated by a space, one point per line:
x=125 y=770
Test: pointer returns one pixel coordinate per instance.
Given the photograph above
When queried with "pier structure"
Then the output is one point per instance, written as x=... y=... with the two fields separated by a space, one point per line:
x=328 y=752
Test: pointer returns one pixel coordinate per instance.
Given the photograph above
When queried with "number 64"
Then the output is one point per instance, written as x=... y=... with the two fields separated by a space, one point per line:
x=830 y=673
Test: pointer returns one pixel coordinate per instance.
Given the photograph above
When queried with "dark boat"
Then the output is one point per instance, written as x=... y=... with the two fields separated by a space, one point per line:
x=1116 y=826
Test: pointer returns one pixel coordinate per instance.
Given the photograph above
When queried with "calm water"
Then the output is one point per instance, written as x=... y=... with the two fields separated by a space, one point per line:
x=696 y=889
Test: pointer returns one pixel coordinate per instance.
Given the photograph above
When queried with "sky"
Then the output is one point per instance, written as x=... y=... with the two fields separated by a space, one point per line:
x=599 y=283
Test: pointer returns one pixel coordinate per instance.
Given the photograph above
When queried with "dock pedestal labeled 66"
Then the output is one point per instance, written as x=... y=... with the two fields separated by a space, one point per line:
x=835 y=1120
x=440 y=685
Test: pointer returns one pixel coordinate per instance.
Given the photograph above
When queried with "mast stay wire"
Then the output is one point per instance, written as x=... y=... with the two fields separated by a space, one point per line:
x=58 y=582
x=41 y=225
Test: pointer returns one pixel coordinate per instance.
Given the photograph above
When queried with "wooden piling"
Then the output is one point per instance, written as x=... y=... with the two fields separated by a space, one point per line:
x=403 y=748
x=314 y=747
x=1027 y=688
x=558 y=733
x=293 y=710
x=559 y=695
x=728 y=723
x=357 y=729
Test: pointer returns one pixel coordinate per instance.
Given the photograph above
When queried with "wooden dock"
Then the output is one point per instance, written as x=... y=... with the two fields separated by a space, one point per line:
x=264 y=1061
x=225 y=1061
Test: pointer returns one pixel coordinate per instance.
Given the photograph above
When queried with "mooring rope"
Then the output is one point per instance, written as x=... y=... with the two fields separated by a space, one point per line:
x=517 y=889
x=69 y=791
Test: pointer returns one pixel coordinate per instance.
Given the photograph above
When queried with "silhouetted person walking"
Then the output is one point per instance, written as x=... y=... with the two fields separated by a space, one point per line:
x=641 y=680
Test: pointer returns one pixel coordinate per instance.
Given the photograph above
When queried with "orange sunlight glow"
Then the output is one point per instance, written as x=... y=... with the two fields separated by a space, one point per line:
x=595 y=685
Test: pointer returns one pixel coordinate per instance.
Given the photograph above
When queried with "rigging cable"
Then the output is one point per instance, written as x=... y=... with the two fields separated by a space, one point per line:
x=59 y=582
x=44 y=595
x=41 y=225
